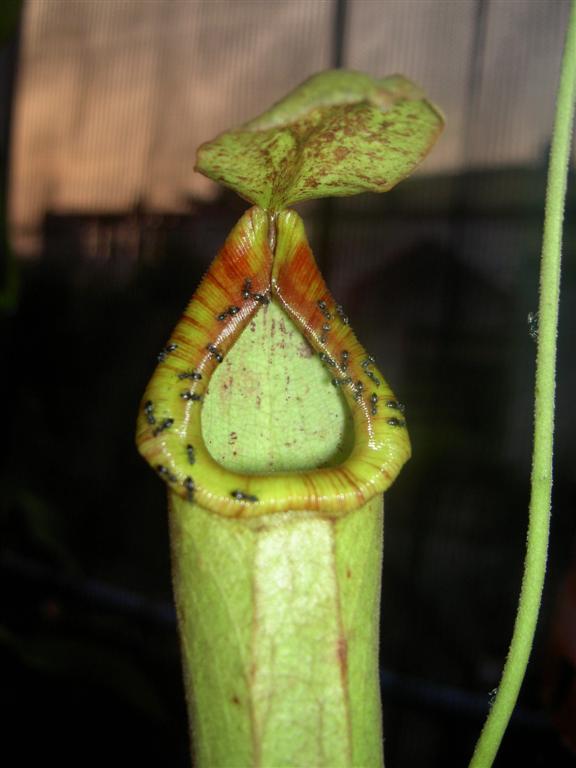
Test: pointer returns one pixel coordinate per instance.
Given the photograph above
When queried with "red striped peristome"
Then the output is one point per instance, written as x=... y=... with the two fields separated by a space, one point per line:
x=273 y=255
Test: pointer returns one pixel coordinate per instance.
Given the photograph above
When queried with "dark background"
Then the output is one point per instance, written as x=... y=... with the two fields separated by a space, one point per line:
x=438 y=277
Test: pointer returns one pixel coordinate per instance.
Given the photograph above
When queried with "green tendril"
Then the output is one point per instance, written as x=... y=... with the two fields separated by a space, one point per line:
x=541 y=480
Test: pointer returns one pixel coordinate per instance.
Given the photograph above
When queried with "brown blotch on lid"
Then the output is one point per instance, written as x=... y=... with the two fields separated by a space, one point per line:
x=341 y=152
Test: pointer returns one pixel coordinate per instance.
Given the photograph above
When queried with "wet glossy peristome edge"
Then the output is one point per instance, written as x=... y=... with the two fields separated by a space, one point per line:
x=265 y=259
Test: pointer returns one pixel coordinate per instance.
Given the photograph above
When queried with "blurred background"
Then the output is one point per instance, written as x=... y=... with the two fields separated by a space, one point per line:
x=105 y=231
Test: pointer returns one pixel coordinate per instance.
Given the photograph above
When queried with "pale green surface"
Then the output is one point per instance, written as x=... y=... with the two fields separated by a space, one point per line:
x=282 y=431
x=541 y=483
x=358 y=543
x=339 y=133
x=269 y=609
x=213 y=576
x=267 y=615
